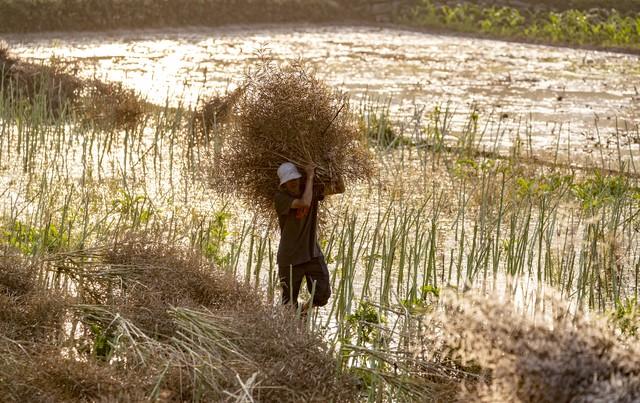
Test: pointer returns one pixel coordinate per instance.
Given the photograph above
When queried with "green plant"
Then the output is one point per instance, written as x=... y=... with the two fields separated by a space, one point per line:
x=626 y=317
x=600 y=190
x=32 y=240
x=216 y=237
x=136 y=209
x=376 y=126
x=365 y=321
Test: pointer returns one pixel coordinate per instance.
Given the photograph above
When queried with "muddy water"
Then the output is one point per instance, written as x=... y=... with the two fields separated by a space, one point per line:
x=553 y=96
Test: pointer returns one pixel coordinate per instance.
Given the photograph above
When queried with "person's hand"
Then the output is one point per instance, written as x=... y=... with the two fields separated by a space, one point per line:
x=310 y=169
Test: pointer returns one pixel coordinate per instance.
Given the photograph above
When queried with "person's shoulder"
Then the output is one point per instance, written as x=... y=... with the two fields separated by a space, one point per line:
x=282 y=201
x=279 y=194
x=282 y=197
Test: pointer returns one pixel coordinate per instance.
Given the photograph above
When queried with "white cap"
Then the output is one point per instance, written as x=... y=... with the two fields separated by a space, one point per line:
x=287 y=171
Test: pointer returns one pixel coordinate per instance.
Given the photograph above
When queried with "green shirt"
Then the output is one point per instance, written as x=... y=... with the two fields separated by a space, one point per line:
x=298 y=230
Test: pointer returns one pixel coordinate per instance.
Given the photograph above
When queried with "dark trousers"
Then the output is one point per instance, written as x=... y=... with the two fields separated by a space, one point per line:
x=315 y=271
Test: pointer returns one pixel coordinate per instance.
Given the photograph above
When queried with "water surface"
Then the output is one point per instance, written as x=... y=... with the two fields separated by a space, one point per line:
x=540 y=92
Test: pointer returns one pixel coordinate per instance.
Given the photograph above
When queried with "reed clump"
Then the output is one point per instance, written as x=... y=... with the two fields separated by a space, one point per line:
x=555 y=358
x=286 y=114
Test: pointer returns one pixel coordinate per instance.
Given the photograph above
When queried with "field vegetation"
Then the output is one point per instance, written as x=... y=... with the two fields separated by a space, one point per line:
x=126 y=277
x=543 y=23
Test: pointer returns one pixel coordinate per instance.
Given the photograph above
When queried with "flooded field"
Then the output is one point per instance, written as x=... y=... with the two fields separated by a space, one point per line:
x=556 y=97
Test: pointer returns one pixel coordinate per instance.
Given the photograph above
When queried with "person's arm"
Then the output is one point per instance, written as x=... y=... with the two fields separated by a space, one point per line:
x=307 y=196
x=334 y=187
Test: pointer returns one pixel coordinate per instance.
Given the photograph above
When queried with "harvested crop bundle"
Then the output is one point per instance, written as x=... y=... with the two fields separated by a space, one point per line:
x=285 y=113
x=212 y=114
x=110 y=105
x=57 y=88
x=49 y=85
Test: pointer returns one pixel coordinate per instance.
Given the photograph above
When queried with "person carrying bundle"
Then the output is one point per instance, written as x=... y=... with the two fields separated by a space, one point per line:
x=299 y=255
x=283 y=115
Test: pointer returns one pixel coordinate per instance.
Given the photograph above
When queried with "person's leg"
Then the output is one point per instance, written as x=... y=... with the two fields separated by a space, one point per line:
x=290 y=280
x=318 y=273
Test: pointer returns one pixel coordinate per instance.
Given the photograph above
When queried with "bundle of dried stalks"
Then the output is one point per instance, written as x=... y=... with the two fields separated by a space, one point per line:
x=142 y=279
x=285 y=114
x=213 y=114
x=263 y=347
x=48 y=85
x=159 y=300
x=56 y=88
x=110 y=105
x=46 y=373
x=157 y=323
x=554 y=357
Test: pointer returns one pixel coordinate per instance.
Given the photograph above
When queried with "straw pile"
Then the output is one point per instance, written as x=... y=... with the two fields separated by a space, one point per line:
x=212 y=116
x=28 y=311
x=109 y=106
x=552 y=358
x=56 y=89
x=154 y=322
x=37 y=83
x=285 y=113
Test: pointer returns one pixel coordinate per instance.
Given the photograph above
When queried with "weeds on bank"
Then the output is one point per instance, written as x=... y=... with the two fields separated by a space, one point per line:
x=605 y=28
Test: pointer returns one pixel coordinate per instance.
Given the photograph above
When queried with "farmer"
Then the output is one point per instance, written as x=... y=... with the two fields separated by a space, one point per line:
x=299 y=255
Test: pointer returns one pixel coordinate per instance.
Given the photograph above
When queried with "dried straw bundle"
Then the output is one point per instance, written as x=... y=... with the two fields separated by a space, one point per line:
x=286 y=114
x=179 y=304
x=544 y=359
x=28 y=310
x=211 y=116
x=154 y=322
x=110 y=106
x=57 y=88
x=37 y=83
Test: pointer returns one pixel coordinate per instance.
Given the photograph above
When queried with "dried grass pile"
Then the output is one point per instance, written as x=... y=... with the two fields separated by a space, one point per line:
x=196 y=332
x=48 y=85
x=28 y=311
x=56 y=88
x=110 y=106
x=560 y=358
x=285 y=113
x=43 y=373
x=34 y=356
x=213 y=115
x=142 y=280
